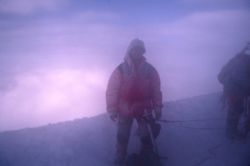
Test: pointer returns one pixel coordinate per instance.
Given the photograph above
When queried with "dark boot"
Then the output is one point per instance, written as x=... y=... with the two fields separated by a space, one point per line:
x=120 y=155
x=119 y=161
x=123 y=133
x=233 y=117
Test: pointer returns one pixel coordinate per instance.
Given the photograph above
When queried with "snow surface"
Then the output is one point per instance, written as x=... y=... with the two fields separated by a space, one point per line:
x=91 y=141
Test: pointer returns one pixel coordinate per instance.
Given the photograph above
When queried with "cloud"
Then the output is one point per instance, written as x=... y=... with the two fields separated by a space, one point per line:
x=76 y=31
x=194 y=48
x=188 y=53
x=221 y=28
x=216 y=2
x=203 y=39
x=42 y=96
x=30 y=6
x=91 y=15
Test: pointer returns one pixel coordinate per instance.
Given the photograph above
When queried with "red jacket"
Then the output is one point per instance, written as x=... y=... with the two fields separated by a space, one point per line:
x=116 y=98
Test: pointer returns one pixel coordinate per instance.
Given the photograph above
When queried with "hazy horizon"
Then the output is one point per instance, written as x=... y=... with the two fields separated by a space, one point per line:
x=56 y=55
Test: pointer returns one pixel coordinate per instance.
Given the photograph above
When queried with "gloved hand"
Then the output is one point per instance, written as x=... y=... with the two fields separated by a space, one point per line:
x=157 y=112
x=113 y=116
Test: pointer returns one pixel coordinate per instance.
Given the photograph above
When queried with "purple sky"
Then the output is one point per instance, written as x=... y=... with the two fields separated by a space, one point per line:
x=56 y=55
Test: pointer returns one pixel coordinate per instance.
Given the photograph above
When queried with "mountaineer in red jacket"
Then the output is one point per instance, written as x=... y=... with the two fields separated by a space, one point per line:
x=134 y=90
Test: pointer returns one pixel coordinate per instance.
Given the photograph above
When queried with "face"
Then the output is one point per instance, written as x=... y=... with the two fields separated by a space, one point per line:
x=136 y=53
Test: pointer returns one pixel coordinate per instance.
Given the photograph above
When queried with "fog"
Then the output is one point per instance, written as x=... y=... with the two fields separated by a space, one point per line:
x=56 y=55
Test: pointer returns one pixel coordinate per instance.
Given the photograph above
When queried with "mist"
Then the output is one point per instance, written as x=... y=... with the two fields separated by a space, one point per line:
x=56 y=56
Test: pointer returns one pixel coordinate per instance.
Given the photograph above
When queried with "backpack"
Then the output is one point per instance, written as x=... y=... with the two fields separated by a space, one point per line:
x=235 y=76
x=136 y=85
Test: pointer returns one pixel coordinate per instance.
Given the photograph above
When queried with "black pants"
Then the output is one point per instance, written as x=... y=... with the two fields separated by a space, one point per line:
x=236 y=109
x=123 y=134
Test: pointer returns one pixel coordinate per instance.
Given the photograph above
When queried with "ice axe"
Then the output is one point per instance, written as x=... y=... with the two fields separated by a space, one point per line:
x=248 y=105
x=148 y=117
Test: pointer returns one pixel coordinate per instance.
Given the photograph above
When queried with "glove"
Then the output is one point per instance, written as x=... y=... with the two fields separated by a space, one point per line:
x=157 y=112
x=114 y=116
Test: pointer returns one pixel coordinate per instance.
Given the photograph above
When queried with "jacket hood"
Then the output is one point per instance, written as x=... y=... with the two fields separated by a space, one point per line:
x=135 y=43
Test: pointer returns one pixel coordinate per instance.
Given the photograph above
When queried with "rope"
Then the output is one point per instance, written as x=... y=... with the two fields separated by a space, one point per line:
x=200 y=128
x=212 y=153
x=193 y=120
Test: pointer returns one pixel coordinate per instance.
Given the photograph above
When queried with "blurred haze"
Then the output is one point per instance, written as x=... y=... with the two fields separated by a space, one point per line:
x=56 y=55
